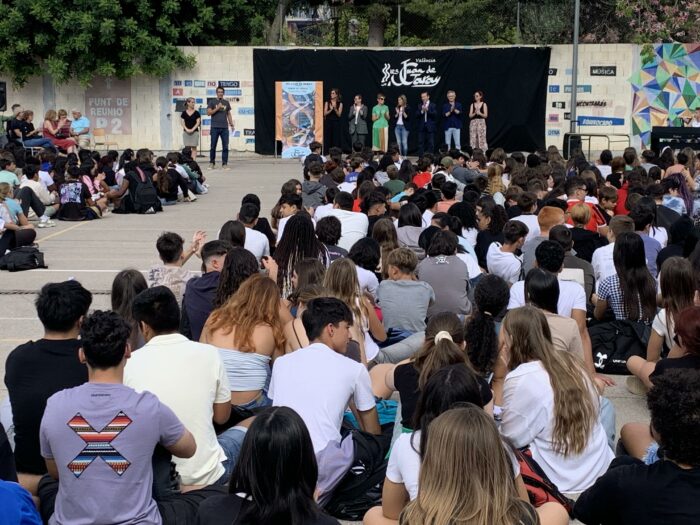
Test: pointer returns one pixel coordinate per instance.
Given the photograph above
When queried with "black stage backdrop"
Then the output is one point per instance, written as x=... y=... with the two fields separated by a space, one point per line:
x=514 y=82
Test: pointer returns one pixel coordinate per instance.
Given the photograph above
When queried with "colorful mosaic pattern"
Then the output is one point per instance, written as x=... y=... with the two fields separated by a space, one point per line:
x=666 y=88
x=99 y=444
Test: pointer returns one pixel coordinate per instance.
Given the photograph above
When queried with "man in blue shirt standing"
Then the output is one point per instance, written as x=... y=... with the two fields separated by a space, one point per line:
x=80 y=129
x=452 y=111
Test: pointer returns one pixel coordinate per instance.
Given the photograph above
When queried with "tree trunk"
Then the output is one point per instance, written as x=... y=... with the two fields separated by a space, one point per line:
x=274 y=38
x=377 y=25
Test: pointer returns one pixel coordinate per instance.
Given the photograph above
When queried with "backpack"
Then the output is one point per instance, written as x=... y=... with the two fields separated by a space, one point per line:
x=615 y=342
x=144 y=196
x=23 y=258
x=361 y=488
x=539 y=487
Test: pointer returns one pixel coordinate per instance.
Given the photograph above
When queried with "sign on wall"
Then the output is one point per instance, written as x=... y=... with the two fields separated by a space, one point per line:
x=603 y=71
x=108 y=105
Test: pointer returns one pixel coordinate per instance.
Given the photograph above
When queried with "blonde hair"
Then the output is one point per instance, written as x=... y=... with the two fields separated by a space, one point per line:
x=580 y=214
x=51 y=115
x=465 y=476
x=236 y=315
x=494 y=173
x=341 y=282
x=5 y=191
x=575 y=411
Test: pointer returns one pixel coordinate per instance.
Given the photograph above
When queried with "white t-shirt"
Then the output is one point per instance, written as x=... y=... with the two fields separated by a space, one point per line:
x=528 y=420
x=368 y=281
x=322 y=211
x=189 y=378
x=660 y=234
x=45 y=178
x=604 y=170
x=659 y=326
x=404 y=462
x=602 y=262
x=506 y=265
x=348 y=187
x=353 y=226
x=533 y=226
x=470 y=235
x=572 y=296
x=427 y=218
x=318 y=383
x=256 y=243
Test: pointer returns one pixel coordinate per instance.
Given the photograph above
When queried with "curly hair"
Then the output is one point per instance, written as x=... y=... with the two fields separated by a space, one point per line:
x=491 y=296
x=674 y=403
x=240 y=264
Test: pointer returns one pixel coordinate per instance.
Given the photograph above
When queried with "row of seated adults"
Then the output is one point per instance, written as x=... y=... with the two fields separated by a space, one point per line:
x=57 y=130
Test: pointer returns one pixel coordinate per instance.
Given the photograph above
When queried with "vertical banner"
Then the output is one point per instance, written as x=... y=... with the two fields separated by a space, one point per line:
x=298 y=116
x=108 y=105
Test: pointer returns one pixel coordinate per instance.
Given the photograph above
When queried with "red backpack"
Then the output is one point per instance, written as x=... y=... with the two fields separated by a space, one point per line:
x=539 y=487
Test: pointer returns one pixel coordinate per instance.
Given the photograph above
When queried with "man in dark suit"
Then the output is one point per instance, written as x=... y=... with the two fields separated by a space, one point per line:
x=357 y=118
x=426 y=117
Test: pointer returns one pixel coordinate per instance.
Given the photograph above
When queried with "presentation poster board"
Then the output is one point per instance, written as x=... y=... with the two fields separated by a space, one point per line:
x=298 y=116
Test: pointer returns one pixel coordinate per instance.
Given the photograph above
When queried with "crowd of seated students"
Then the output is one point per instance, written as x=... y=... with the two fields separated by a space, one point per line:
x=264 y=388
x=35 y=189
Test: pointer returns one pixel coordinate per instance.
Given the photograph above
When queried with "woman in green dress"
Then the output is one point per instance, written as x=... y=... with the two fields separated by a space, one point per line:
x=380 y=126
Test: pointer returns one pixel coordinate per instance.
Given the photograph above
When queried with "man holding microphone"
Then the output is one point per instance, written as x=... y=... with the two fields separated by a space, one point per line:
x=221 y=120
x=426 y=116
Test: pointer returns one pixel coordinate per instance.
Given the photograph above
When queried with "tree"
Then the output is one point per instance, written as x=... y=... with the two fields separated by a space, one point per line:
x=77 y=39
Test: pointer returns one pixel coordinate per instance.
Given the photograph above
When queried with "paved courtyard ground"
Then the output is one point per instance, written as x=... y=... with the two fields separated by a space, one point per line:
x=93 y=252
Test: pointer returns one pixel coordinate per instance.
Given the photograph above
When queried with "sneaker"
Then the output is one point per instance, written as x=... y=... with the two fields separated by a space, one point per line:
x=191 y=198
x=46 y=224
x=150 y=210
x=635 y=386
x=212 y=166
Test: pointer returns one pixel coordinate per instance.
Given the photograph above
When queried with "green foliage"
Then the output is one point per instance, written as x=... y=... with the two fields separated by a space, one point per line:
x=78 y=39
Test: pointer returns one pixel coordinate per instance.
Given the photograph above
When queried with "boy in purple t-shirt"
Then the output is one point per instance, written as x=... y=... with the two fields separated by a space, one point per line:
x=98 y=438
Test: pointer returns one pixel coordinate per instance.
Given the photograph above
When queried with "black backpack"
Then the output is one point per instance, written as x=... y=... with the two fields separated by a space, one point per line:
x=615 y=342
x=23 y=258
x=361 y=488
x=144 y=196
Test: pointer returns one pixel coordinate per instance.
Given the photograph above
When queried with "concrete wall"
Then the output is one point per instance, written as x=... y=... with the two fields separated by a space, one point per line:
x=155 y=124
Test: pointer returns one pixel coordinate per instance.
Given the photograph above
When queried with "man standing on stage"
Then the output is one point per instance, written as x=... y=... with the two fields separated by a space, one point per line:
x=357 y=117
x=452 y=111
x=426 y=125
x=220 y=112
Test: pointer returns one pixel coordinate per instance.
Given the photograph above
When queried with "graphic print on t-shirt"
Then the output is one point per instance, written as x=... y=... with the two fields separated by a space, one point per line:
x=99 y=444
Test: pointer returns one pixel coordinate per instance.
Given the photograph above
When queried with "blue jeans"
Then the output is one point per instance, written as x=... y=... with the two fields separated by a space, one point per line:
x=607 y=419
x=231 y=441
x=261 y=401
x=215 y=134
x=451 y=133
x=38 y=143
x=402 y=139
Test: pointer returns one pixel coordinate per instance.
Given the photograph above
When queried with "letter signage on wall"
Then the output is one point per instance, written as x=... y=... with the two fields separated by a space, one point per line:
x=603 y=71
x=108 y=105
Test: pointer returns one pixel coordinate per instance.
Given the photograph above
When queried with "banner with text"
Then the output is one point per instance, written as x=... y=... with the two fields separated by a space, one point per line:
x=108 y=105
x=298 y=116
x=514 y=82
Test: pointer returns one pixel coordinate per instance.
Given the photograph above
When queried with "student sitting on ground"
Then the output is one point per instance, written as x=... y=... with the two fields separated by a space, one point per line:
x=501 y=259
x=171 y=252
x=38 y=369
x=330 y=380
x=15 y=229
x=666 y=491
x=401 y=290
x=277 y=441
x=113 y=429
x=76 y=200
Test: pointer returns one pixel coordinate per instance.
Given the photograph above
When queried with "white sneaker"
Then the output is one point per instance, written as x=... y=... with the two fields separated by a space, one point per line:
x=46 y=224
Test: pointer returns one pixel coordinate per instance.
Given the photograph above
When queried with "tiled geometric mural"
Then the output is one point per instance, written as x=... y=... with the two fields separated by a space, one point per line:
x=666 y=88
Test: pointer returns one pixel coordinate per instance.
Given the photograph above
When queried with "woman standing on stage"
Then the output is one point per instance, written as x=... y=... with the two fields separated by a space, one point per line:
x=190 y=120
x=380 y=126
x=332 y=111
x=401 y=129
x=478 y=112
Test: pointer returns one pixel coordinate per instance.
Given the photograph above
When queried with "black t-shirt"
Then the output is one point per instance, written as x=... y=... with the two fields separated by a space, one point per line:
x=690 y=361
x=227 y=510
x=406 y=383
x=25 y=128
x=672 y=250
x=263 y=226
x=190 y=120
x=34 y=372
x=12 y=125
x=631 y=493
